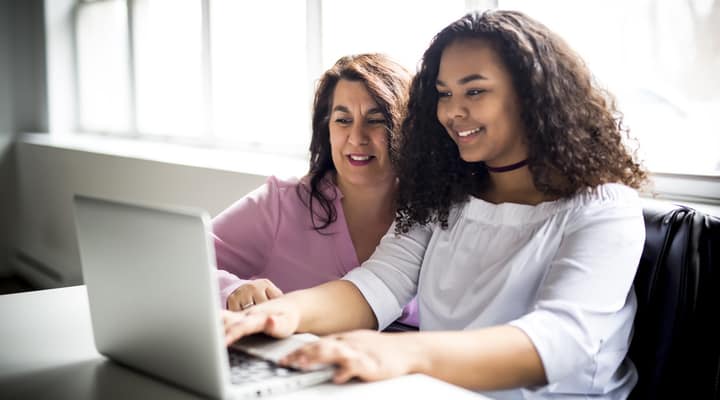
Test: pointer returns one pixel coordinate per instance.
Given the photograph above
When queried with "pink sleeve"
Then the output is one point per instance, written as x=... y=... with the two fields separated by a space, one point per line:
x=244 y=235
x=410 y=314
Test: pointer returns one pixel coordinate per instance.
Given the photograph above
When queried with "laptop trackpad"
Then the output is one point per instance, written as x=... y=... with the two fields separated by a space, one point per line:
x=272 y=349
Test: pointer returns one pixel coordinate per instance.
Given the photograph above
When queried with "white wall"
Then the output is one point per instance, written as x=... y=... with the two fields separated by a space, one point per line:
x=7 y=127
x=7 y=124
x=49 y=176
x=23 y=101
x=6 y=106
x=8 y=211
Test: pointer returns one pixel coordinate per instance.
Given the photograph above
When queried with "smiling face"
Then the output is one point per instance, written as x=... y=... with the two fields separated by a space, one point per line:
x=358 y=137
x=477 y=104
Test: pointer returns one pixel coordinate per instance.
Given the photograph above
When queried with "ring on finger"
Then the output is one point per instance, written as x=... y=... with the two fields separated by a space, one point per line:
x=248 y=305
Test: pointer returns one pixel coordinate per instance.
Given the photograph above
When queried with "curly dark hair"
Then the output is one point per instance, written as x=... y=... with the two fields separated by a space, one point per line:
x=573 y=128
x=387 y=82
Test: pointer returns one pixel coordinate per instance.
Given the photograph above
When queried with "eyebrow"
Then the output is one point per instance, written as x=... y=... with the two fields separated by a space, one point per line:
x=462 y=81
x=342 y=108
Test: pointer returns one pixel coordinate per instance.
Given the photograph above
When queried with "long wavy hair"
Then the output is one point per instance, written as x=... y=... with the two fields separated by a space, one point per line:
x=573 y=128
x=387 y=83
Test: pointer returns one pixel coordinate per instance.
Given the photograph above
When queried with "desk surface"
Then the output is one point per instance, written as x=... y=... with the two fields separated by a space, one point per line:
x=47 y=351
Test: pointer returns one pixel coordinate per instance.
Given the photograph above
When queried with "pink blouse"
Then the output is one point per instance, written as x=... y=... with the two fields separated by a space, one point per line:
x=269 y=234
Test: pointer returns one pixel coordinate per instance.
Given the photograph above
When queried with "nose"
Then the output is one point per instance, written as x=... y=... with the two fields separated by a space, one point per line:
x=453 y=108
x=358 y=134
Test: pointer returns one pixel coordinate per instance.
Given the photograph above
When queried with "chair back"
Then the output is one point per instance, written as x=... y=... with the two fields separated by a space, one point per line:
x=676 y=342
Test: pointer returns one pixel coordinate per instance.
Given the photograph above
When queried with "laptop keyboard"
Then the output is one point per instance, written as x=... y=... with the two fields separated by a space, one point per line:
x=246 y=368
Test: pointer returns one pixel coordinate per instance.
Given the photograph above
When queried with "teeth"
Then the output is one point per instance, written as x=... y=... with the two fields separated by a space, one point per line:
x=468 y=133
x=359 y=158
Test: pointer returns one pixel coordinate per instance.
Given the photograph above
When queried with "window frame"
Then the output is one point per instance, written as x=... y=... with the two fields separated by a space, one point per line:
x=63 y=101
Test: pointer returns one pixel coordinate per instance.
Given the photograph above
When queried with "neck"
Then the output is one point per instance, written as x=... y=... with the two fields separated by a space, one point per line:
x=515 y=186
x=507 y=168
x=374 y=202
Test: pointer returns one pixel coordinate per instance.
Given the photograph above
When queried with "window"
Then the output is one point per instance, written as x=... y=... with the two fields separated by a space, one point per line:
x=243 y=72
x=401 y=28
x=661 y=61
x=229 y=72
x=168 y=67
x=102 y=67
x=260 y=79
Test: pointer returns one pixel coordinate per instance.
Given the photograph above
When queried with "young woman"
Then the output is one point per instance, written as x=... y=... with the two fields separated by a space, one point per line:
x=294 y=234
x=517 y=227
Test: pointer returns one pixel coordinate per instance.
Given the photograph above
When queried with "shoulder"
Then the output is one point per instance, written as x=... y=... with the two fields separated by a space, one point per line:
x=612 y=193
x=326 y=188
x=602 y=201
x=292 y=198
x=282 y=184
x=282 y=189
x=265 y=196
x=606 y=199
x=611 y=203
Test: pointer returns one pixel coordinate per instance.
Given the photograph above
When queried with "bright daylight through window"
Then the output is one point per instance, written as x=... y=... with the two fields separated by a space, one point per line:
x=229 y=72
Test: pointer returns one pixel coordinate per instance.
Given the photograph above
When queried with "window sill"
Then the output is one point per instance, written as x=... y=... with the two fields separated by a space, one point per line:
x=194 y=156
x=699 y=192
x=709 y=209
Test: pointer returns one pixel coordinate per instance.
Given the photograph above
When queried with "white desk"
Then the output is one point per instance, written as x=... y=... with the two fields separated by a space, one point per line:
x=47 y=352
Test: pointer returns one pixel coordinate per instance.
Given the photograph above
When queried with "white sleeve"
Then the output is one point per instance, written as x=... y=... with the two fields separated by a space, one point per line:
x=388 y=279
x=582 y=318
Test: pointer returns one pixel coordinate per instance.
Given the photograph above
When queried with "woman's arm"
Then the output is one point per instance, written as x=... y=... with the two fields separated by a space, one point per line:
x=371 y=297
x=243 y=235
x=331 y=307
x=495 y=358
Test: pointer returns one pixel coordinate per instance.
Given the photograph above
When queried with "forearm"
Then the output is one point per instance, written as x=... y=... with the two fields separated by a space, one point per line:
x=494 y=358
x=331 y=307
x=228 y=283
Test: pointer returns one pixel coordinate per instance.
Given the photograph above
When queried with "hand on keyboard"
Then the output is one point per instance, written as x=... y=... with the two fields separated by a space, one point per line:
x=274 y=318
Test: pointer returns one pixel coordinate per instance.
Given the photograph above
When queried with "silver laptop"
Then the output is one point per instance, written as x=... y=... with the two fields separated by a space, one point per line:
x=154 y=303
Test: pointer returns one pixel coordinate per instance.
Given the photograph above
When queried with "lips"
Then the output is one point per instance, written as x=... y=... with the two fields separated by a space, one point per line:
x=359 y=160
x=467 y=135
x=469 y=132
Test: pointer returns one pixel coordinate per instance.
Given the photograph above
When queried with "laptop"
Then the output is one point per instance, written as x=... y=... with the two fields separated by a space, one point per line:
x=155 y=307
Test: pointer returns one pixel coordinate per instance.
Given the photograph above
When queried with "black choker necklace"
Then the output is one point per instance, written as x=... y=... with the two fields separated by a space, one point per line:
x=507 y=168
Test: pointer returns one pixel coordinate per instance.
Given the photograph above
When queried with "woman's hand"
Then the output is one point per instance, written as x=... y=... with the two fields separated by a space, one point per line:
x=251 y=293
x=275 y=318
x=367 y=355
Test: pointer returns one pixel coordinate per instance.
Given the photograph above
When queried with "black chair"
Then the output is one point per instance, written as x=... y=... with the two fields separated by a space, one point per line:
x=676 y=343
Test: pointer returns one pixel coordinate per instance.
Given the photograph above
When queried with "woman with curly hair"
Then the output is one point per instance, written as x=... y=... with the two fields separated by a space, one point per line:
x=518 y=227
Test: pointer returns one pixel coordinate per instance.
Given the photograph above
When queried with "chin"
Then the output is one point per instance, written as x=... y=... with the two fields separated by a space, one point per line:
x=471 y=158
x=369 y=180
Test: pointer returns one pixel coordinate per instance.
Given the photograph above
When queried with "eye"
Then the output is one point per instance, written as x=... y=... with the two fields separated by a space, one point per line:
x=475 y=92
x=443 y=94
x=377 y=121
x=343 y=121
